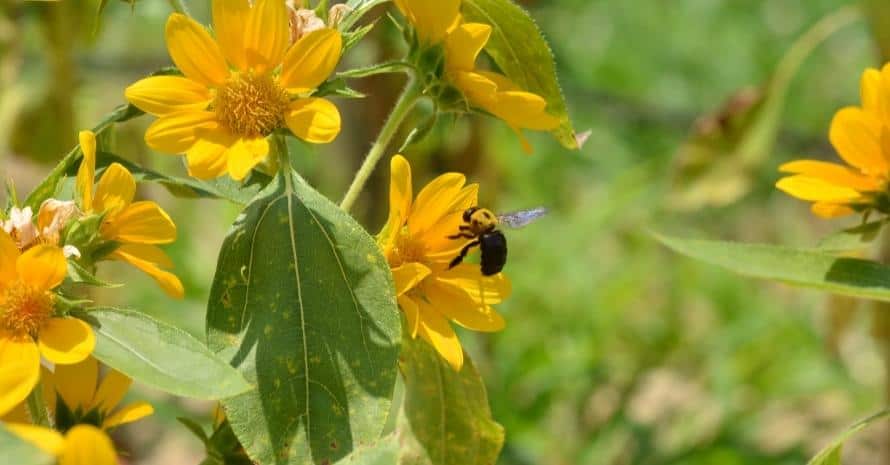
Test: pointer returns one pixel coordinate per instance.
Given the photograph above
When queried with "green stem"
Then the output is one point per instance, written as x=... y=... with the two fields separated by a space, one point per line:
x=406 y=102
x=37 y=407
x=179 y=7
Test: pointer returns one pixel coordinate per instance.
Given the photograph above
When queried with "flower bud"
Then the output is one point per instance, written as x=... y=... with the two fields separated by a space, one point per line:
x=337 y=13
x=302 y=21
x=52 y=218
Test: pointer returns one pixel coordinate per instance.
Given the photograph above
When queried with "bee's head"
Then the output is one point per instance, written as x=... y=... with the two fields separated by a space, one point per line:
x=480 y=219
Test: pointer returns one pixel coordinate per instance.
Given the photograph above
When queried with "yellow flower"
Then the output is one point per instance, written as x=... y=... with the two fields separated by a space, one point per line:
x=28 y=325
x=416 y=245
x=91 y=400
x=861 y=137
x=81 y=445
x=137 y=227
x=231 y=95
x=438 y=22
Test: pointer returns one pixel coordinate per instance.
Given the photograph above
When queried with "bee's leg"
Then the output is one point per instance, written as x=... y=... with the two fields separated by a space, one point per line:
x=463 y=254
x=464 y=235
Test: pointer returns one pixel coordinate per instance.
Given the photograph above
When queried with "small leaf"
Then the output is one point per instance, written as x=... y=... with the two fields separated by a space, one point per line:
x=161 y=356
x=446 y=419
x=79 y=274
x=16 y=451
x=389 y=67
x=359 y=8
x=338 y=87
x=520 y=50
x=806 y=268
x=853 y=239
x=831 y=455
x=303 y=305
x=195 y=428
x=352 y=38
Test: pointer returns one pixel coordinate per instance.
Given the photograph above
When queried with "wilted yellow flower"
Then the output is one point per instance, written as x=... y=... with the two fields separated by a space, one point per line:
x=416 y=245
x=29 y=326
x=81 y=445
x=218 y=115
x=861 y=137
x=137 y=227
x=438 y=22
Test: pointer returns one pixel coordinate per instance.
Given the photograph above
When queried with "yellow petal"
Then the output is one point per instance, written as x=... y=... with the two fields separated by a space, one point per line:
x=115 y=191
x=19 y=414
x=409 y=275
x=830 y=211
x=45 y=439
x=431 y=19
x=311 y=60
x=816 y=190
x=87 y=445
x=244 y=155
x=141 y=223
x=411 y=311
x=76 y=383
x=434 y=329
x=434 y=202
x=162 y=95
x=19 y=370
x=871 y=92
x=856 y=135
x=230 y=24
x=456 y=304
x=400 y=197
x=9 y=254
x=178 y=132
x=207 y=159
x=315 y=120
x=64 y=341
x=487 y=290
x=267 y=35
x=43 y=267
x=128 y=414
x=151 y=260
x=437 y=241
x=463 y=45
x=833 y=173
x=111 y=391
x=194 y=52
x=86 y=174
x=479 y=90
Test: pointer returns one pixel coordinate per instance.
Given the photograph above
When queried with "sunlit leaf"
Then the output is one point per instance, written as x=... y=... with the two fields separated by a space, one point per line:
x=161 y=356
x=446 y=419
x=383 y=452
x=831 y=455
x=807 y=268
x=520 y=50
x=303 y=304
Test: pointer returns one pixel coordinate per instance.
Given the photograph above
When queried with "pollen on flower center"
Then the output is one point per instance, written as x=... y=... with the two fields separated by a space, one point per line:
x=251 y=106
x=24 y=308
x=407 y=249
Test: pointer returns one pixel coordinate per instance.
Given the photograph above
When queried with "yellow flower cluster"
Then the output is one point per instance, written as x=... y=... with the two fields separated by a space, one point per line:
x=861 y=136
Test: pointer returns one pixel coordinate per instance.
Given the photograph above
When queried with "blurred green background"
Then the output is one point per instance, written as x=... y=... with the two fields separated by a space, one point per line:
x=616 y=351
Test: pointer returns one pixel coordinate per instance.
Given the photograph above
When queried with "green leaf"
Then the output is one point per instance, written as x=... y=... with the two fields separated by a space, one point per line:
x=79 y=274
x=19 y=452
x=806 y=268
x=195 y=428
x=303 y=304
x=384 y=452
x=389 y=67
x=854 y=239
x=717 y=164
x=359 y=9
x=161 y=356
x=831 y=455
x=520 y=50
x=446 y=419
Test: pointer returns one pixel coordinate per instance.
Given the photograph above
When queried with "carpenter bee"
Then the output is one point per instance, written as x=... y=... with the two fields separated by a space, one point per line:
x=481 y=225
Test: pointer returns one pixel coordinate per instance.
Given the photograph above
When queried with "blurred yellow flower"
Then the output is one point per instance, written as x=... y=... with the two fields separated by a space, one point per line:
x=28 y=325
x=438 y=22
x=861 y=136
x=81 y=445
x=219 y=116
x=137 y=227
x=416 y=245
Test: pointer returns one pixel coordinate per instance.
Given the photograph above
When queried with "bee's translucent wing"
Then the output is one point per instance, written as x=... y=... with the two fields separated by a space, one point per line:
x=523 y=218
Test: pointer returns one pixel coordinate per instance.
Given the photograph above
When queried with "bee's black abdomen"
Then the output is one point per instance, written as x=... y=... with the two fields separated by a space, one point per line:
x=494 y=252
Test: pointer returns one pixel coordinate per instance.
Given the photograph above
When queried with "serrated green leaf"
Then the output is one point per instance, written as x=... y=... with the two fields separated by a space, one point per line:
x=303 y=304
x=519 y=48
x=16 y=451
x=161 y=356
x=446 y=419
x=806 y=268
x=831 y=455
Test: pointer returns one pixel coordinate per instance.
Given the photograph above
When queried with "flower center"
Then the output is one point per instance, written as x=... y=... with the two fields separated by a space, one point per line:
x=251 y=106
x=407 y=249
x=24 y=308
